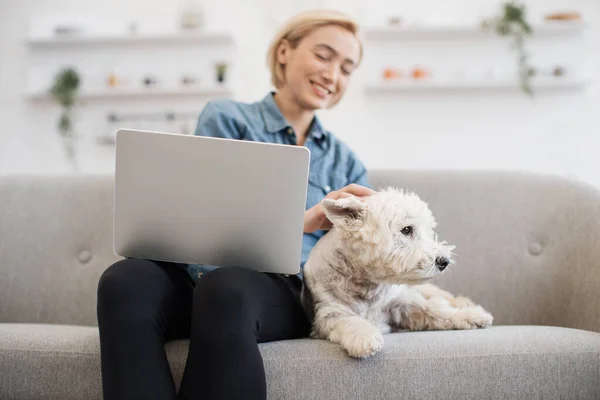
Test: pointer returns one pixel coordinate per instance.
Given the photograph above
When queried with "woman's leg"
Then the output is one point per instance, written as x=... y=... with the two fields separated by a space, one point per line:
x=141 y=305
x=234 y=309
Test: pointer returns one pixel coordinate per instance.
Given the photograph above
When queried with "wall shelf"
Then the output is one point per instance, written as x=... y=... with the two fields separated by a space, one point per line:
x=549 y=29
x=118 y=93
x=458 y=85
x=133 y=39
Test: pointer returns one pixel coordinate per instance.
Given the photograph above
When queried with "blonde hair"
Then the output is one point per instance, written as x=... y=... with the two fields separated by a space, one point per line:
x=301 y=25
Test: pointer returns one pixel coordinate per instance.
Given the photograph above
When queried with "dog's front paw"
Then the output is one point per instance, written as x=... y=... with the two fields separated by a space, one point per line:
x=472 y=318
x=362 y=340
x=462 y=302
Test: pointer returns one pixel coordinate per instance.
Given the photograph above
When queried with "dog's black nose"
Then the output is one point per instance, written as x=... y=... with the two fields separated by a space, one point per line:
x=442 y=263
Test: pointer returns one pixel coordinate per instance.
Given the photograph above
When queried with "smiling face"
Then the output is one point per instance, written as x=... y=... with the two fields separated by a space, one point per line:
x=392 y=235
x=317 y=69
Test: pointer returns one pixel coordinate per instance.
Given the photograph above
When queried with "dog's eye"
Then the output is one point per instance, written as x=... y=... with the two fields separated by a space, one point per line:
x=407 y=230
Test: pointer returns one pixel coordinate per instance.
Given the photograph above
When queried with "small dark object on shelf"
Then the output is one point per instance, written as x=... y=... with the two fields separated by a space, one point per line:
x=188 y=80
x=112 y=117
x=394 y=21
x=150 y=81
x=66 y=30
x=558 y=71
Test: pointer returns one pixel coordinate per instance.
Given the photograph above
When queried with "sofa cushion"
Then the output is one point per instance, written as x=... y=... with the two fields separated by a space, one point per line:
x=516 y=362
x=40 y=361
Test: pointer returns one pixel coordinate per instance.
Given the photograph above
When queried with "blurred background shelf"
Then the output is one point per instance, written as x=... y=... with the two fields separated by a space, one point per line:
x=116 y=93
x=133 y=39
x=457 y=85
x=548 y=29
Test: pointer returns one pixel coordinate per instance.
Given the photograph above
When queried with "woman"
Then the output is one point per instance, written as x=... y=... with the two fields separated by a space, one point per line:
x=226 y=312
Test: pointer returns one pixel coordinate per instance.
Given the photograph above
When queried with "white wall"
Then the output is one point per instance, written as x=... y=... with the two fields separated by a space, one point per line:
x=556 y=133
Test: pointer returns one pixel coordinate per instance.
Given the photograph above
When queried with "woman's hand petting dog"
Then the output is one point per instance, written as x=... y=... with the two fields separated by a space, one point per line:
x=315 y=219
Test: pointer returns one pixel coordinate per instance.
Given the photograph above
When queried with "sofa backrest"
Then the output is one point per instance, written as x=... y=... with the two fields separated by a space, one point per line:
x=528 y=245
x=55 y=242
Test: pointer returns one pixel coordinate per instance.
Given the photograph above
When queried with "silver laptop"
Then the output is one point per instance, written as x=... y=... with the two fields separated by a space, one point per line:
x=202 y=200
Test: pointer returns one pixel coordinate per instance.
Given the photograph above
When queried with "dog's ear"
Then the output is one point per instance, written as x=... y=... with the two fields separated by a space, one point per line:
x=343 y=210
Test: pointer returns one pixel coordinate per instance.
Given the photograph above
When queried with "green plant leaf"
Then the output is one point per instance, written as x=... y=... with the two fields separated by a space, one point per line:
x=64 y=89
x=513 y=23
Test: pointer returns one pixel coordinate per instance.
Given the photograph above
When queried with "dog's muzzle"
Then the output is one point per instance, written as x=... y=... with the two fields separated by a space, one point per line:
x=442 y=263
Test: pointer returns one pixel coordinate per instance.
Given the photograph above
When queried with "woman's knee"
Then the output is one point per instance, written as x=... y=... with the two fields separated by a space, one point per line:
x=226 y=289
x=134 y=283
x=121 y=278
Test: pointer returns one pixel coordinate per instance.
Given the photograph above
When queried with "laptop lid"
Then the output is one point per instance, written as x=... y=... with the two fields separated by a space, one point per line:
x=212 y=201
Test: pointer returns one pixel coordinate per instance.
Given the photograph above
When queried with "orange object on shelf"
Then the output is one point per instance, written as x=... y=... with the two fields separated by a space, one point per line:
x=563 y=16
x=112 y=80
x=391 y=73
x=388 y=73
x=420 y=73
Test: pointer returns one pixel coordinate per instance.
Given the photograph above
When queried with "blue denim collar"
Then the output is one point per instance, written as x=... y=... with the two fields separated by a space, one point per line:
x=276 y=122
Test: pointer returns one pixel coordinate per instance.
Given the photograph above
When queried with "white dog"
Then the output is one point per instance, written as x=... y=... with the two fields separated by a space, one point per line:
x=364 y=277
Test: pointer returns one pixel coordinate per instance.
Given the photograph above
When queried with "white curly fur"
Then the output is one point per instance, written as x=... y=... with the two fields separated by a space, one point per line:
x=365 y=277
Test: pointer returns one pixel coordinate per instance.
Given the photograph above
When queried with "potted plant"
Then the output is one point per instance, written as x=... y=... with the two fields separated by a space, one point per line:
x=221 y=68
x=513 y=23
x=64 y=92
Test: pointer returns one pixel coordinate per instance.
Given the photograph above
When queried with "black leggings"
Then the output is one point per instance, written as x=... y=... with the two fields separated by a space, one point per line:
x=143 y=304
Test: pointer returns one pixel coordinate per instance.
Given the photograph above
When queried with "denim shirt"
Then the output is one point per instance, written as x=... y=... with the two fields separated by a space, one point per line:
x=332 y=164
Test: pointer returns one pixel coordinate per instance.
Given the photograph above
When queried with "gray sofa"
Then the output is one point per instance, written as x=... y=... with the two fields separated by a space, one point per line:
x=528 y=250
